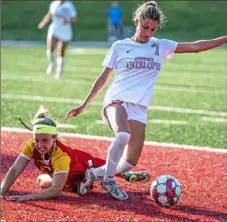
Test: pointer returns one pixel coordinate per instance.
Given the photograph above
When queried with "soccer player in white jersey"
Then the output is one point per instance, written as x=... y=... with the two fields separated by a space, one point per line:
x=63 y=14
x=137 y=62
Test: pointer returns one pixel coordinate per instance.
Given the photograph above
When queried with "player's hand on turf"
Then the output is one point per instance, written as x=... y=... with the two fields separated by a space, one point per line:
x=75 y=111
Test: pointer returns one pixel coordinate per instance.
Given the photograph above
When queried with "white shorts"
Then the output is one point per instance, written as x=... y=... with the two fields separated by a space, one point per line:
x=61 y=33
x=134 y=111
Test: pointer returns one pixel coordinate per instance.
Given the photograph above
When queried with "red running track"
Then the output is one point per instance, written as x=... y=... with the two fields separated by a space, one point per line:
x=202 y=175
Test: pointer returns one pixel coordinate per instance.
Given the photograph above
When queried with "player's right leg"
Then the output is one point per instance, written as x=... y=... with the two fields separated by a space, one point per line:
x=51 y=45
x=117 y=118
x=62 y=46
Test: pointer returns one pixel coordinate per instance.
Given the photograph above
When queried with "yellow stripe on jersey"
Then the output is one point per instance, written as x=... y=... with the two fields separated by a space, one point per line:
x=28 y=149
x=60 y=161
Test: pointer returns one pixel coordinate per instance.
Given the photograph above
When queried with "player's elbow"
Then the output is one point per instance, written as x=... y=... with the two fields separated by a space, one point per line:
x=13 y=171
x=56 y=192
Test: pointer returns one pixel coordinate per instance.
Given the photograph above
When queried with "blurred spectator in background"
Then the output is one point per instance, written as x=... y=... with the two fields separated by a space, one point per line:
x=115 y=29
x=63 y=14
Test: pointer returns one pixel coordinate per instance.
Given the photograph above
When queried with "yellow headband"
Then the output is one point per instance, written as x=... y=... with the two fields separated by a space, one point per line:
x=44 y=129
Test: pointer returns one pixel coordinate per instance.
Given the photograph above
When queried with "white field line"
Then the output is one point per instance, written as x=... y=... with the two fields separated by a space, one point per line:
x=77 y=101
x=219 y=120
x=85 y=51
x=45 y=99
x=67 y=126
x=157 y=121
x=190 y=111
x=167 y=121
x=100 y=138
x=46 y=80
x=89 y=82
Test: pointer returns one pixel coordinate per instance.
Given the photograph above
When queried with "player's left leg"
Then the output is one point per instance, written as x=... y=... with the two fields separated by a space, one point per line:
x=61 y=58
x=51 y=45
x=132 y=154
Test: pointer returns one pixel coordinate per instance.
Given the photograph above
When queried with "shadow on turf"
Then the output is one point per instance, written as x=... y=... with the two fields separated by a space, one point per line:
x=201 y=211
x=139 y=202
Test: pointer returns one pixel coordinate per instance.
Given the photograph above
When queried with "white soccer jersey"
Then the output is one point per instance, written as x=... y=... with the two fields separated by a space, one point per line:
x=136 y=66
x=59 y=11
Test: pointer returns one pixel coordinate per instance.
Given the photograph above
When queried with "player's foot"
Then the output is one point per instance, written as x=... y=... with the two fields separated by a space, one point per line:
x=86 y=184
x=113 y=189
x=59 y=75
x=50 y=69
x=137 y=176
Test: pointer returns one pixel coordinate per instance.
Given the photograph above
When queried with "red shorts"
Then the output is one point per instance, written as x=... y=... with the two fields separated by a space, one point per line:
x=78 y=167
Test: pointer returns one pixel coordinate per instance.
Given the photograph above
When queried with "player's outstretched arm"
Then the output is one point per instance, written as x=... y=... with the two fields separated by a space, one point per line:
x=201 y=45
x=58 y=183
x=14 y=172
x=98 y=85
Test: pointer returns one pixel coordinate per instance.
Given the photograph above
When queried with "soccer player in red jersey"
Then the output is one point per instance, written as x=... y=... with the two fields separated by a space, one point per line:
x=62 y=167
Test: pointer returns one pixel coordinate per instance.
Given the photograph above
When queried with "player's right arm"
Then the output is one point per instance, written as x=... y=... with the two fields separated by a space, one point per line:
x=98 y=85
x=45 y=20
x=14 y=172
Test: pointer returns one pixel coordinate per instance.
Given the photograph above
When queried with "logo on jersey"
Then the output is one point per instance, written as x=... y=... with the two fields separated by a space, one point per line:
x=129 y=50
x=156 y=46
x=39 y=128
x=144 y=63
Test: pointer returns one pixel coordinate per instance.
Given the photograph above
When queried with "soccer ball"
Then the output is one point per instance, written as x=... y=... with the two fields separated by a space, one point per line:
x=166 y=190
x=44 y=181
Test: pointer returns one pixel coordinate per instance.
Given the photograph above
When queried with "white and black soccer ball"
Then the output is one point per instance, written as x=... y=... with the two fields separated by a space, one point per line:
x=166 y=190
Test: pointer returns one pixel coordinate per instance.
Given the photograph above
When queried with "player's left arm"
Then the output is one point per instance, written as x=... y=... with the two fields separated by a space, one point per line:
x=201 y=45
x=13 y=173
x=74 y=17
x=58 y=183
x=73 y=20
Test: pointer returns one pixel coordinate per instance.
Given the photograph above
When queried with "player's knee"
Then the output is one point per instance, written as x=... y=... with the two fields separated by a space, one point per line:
x=117 y=147
x=122 y=138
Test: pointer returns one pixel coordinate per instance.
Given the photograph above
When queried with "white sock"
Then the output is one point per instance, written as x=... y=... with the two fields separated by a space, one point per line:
x=99 y=171
x=60 y=65
x=114 y=154
x=123 y=166
x=50 y=56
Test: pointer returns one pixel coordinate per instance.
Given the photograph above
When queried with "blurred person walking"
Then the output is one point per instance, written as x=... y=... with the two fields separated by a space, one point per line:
x=115 y=29
x=137 y=62
x=63 y=14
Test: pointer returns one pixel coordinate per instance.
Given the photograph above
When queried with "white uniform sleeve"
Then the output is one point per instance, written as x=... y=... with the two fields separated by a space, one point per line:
x=73 y=11
x=169 y=48
x=111 y=57
x=51 y=7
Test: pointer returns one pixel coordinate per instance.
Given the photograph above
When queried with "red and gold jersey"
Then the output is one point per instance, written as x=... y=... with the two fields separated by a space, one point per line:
x=64 y=159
